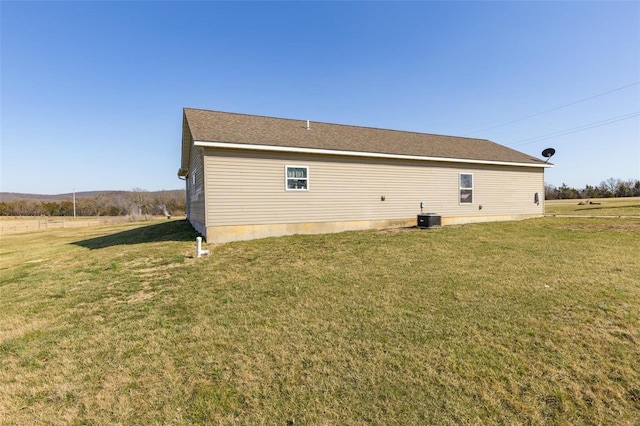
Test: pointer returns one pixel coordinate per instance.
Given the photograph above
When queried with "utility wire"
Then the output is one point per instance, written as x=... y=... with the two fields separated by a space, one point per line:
x=576 y=129
x=553 y=109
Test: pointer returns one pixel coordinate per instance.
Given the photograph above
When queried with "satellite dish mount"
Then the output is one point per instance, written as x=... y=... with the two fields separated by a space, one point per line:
x=548 y=153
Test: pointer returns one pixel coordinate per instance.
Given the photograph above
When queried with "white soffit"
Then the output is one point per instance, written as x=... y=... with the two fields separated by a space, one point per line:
x=274 y=148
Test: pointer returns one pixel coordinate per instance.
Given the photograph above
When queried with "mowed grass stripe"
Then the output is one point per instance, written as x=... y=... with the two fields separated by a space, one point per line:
x=521 y=322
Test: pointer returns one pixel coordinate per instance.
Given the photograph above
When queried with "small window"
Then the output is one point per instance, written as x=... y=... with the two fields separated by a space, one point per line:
x=466 y=188
x=297 y=178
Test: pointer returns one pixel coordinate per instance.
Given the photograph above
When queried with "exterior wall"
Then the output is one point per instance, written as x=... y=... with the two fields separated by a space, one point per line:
x=196 y=206
x=246 y=196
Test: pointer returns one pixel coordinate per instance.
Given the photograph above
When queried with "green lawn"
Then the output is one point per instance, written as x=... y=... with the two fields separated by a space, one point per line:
x=532 y=322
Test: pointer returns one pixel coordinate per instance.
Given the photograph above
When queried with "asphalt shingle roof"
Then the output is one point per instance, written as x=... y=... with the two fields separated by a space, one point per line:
x=215 y=126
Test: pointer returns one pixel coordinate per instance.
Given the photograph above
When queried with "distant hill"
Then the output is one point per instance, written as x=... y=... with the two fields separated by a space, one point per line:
x=16 y=196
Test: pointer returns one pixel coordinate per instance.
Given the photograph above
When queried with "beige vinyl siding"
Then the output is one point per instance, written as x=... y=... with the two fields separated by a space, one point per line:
x=248 y=187
x=196 y=193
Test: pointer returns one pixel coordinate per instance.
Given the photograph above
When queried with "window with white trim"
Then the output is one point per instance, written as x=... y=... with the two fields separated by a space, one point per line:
x=466 y=188
x=296 y=178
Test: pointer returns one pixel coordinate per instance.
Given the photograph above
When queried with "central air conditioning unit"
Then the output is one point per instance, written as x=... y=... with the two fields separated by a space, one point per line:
x=429 y=220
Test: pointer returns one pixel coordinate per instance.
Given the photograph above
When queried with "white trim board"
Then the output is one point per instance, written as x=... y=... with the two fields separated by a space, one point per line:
x=274 y=148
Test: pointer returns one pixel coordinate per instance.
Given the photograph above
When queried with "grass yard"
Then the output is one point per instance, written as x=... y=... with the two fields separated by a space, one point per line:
x=532 y=322
x=601 y=207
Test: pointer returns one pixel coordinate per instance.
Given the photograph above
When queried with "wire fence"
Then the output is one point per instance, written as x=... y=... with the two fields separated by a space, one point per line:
x=12 y=225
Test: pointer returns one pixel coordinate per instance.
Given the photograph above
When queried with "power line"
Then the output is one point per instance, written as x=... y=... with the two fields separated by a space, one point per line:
x=553 y=109
x=576 y=129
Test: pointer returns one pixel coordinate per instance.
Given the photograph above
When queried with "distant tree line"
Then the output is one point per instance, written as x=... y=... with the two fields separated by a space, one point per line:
x=135 y=203
x=607 y=189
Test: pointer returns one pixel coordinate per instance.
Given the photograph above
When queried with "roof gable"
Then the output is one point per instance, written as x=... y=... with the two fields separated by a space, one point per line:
x=268 y=132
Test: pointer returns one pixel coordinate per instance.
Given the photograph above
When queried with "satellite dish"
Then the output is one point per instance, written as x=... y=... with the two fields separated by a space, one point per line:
x=548 y=153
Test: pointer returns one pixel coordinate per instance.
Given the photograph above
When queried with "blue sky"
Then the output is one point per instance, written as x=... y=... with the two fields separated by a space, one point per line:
x=92 y=92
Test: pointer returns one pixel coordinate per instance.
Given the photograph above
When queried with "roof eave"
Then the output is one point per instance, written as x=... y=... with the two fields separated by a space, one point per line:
x=278 y=148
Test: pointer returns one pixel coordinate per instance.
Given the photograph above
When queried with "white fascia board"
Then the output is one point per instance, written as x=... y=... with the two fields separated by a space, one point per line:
x=274 y=148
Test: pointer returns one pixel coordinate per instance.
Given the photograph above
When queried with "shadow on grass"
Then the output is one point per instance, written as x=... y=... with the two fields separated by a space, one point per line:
x=176 y=230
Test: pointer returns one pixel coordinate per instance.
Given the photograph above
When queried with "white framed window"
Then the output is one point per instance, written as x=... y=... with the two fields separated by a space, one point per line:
x=296 y=178
x=466 y=188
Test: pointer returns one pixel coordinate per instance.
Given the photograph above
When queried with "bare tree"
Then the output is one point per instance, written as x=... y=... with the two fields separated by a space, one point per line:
x=101 y=202
x=21 y=208
x=550 y=192
x=610 y=185
x=139 y=201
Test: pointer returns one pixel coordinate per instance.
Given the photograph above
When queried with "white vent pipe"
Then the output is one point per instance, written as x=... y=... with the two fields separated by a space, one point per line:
x=199 y=251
